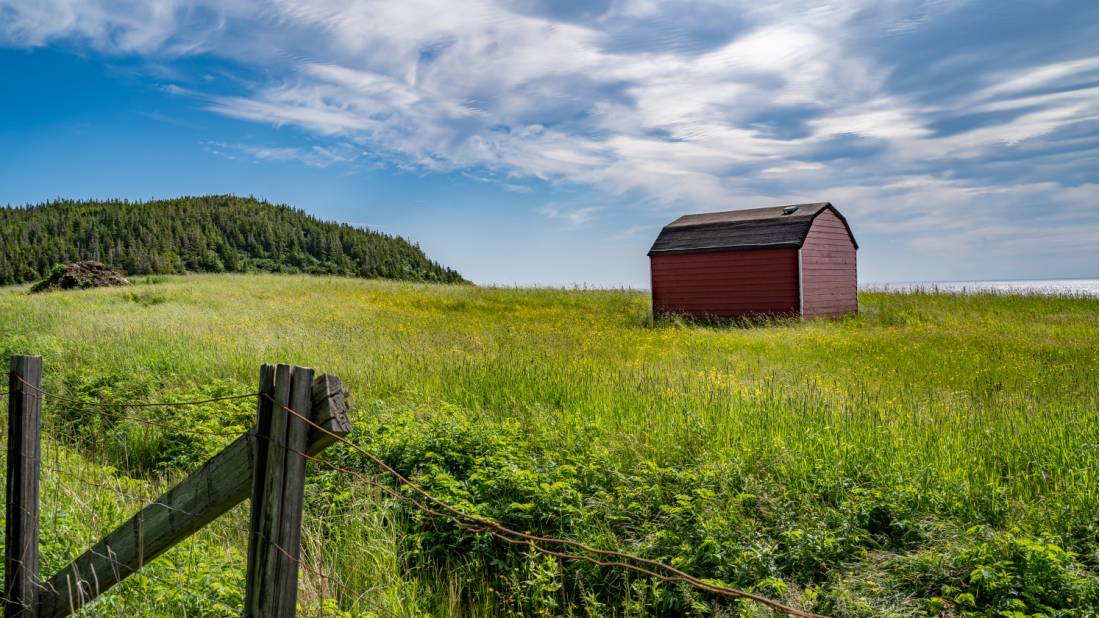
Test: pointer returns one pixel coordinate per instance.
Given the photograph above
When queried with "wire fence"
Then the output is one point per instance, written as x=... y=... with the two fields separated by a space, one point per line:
x=61 y=479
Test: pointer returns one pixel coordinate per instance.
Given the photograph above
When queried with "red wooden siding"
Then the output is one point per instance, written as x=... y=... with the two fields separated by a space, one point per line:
x=828 y=269
x=726 y=283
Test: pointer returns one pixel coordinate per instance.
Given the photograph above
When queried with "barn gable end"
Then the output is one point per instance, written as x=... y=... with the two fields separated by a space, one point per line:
x=828 y=258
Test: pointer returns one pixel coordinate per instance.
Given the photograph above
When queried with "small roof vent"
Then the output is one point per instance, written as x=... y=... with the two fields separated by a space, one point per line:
x=790 y=210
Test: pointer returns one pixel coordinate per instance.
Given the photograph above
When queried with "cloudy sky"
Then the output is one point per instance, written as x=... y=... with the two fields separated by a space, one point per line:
x=546 y=142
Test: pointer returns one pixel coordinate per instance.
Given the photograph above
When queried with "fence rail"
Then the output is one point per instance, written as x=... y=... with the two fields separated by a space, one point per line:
x=297 y=418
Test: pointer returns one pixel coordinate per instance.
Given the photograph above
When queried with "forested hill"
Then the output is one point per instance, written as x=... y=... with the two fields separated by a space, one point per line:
x=217 y=233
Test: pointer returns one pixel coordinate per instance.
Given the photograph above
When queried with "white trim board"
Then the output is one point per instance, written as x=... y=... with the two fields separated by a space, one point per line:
x=801 y=298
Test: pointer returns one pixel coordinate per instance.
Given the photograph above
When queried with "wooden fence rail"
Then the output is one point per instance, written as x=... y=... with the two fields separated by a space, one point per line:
x=266 y=462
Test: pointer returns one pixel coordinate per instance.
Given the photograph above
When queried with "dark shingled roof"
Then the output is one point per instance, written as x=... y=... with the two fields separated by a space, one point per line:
x=755 y=228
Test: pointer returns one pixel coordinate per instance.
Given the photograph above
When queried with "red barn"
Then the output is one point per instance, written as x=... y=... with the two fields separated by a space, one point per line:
x=788 y=260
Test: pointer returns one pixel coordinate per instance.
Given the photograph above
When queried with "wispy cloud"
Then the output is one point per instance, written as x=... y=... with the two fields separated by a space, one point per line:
x=177 y=90
x=636 y=231
x=572 y=216
x=317 y=156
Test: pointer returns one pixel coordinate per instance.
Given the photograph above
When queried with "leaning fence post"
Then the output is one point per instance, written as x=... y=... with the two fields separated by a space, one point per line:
x=24 y=451
x=278 y=493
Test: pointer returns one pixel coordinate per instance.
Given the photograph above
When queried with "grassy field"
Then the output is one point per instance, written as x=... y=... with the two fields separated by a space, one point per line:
x=936 y=455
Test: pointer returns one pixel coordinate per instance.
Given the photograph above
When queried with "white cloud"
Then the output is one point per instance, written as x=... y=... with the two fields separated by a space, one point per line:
x=636 y=231
x=793 y=167
x=882 y=119
x=572 y=216
x=1042 y=76
x=316 y=156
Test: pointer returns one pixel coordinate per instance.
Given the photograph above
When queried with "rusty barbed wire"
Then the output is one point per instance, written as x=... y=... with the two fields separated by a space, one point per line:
x=157 y=404
x=522 y=538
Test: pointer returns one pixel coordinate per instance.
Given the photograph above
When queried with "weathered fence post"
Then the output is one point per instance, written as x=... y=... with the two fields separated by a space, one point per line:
x=262 y=432
x=24 y=450
x=278 y=494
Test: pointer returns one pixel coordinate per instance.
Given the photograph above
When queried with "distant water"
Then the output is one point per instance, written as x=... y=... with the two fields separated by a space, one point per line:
x=1051 y=287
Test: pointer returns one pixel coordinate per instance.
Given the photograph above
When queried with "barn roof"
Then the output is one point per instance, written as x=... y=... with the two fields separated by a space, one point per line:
x=754 y=228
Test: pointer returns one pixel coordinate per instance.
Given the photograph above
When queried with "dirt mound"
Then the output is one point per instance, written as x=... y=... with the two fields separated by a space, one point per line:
x=80 y=275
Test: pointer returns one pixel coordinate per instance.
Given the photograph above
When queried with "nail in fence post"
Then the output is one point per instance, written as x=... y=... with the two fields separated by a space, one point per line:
x=24 y=451
x=278 y=495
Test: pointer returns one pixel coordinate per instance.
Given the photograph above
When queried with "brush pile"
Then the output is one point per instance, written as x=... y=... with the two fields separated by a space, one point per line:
x=80 y=275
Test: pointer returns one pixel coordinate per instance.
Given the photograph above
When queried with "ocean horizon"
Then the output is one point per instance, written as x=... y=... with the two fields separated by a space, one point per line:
x=1051 y=287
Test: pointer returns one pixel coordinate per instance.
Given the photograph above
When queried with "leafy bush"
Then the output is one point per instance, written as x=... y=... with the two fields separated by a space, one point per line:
x=56 y=271
x=1000 y=573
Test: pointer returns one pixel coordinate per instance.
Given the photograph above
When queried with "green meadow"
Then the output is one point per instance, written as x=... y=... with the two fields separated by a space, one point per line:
x=935 y=455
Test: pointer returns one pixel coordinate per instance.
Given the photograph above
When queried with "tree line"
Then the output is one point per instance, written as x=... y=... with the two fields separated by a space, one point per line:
x=215 y=233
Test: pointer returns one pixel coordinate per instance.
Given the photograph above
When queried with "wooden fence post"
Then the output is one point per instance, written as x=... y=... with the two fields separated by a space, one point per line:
x=278 y=495
x=260 y=440
x=24 y=450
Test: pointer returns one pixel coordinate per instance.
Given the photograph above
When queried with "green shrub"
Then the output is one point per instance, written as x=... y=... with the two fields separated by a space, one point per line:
x=999 y=573
x=57 y=270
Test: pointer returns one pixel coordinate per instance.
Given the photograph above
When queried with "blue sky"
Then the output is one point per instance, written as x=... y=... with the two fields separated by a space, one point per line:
x=546 y=142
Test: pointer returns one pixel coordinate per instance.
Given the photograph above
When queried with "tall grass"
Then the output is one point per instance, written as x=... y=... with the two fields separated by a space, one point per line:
x=969 y=411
